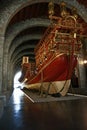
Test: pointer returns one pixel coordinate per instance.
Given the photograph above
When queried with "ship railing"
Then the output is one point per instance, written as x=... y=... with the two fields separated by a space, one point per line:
x=56 y=48
x=56 y=39
x=68 y=22
x=43 y=38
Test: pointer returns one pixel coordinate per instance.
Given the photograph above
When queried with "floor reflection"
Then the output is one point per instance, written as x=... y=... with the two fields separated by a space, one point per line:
x=17 y=96
x=22 y=114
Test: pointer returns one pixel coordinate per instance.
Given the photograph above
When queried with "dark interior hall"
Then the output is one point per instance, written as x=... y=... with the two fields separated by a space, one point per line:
x=22 y=25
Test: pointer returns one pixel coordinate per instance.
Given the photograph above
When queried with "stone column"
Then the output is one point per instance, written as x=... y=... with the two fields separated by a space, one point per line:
x=82 y=74
x=82 y=69
x=1 y=60
x=10 y=77
x=5 y=76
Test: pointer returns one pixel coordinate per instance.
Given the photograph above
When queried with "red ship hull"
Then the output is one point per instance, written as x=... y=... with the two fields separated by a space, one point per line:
x=56 y=70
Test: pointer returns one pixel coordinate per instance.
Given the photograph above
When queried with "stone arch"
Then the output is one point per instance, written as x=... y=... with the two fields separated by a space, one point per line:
x=11 y=8
x=17 y=28
x=18 y=53
x=20 y=40
x=20 y=57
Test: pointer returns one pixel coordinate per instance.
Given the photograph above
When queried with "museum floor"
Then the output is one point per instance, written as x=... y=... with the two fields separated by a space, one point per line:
x=22 y=114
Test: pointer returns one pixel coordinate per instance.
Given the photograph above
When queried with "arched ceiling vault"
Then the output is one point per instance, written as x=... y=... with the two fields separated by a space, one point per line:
x=26 y=40
x=27 y=26
x=30 y=51
x=15 y=29
x=17 y=60
x=29 y=44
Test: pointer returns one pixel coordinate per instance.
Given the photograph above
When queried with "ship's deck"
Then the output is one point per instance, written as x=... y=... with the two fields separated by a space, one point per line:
x=22 y=114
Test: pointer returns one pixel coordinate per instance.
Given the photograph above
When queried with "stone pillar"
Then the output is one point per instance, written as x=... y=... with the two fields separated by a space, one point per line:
x=82 y=69
x=82 y=74
x=5 y=76
x=10 y=77
x=1 y=60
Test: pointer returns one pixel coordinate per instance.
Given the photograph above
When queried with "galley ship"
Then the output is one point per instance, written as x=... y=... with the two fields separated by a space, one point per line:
x=55 y=56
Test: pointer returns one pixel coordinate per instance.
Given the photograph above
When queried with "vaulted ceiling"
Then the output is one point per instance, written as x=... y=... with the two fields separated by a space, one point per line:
x=34 y=32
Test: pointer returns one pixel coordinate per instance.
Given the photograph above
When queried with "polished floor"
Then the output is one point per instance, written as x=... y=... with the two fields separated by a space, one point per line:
x=22 y=114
